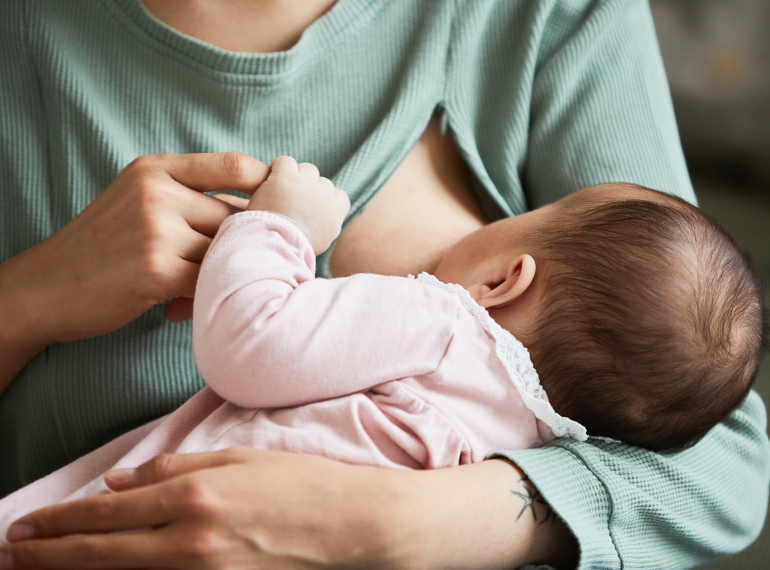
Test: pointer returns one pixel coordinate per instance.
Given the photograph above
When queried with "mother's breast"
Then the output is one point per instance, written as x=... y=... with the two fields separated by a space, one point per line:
x=424 y=208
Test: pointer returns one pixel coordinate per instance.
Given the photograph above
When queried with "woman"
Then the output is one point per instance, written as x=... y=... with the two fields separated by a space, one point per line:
x=542 y=98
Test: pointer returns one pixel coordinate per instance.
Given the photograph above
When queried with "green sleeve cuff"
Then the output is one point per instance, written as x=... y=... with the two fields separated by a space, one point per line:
x=632 y=508
x=576 y=495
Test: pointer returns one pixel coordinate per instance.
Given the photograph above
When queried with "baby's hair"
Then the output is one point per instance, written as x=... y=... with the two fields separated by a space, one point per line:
x=653 y=321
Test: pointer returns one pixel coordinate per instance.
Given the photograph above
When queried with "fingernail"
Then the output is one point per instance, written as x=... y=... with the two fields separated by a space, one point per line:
x=121 y=475
x=17 y=532
x=6 y=561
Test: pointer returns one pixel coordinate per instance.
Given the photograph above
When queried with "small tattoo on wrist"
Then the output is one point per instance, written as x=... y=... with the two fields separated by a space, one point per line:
x=533 y=498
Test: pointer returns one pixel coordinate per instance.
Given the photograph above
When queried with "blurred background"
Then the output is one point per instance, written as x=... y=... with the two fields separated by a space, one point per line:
x=717 y=57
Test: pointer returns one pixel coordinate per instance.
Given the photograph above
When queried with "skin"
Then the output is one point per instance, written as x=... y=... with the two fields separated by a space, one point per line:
x=303 y=528
x=138 y=243
x=497 y=263
x=424 y=208
x=251 y=508
x=300 y=194
x=310 y=515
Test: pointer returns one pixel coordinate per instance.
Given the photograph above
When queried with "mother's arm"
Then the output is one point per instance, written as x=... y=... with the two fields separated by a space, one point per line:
x=632 y=508
x=245 y=508
x=599 y=110
x=138 y=243
x=456 y=502
x=265 y=509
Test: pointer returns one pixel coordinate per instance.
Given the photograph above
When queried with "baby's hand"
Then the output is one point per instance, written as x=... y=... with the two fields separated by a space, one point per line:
x=298 y=192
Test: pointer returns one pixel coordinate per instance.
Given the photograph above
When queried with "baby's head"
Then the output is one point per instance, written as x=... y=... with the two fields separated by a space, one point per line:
x=644 y=319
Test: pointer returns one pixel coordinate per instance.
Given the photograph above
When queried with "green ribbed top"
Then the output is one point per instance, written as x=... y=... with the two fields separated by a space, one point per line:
x=542 y=97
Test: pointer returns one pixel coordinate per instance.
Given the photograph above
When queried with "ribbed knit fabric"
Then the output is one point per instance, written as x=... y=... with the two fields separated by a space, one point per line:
x=543 y=97
x=632 y=508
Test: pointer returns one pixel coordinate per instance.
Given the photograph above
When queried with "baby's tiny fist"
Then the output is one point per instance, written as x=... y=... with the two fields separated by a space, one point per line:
x=300 y=193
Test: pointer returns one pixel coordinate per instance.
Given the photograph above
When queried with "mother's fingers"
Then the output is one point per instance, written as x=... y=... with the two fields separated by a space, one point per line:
x=191 y=245
x=100 y=552
x=140 y=508
x=237 y=201
x=204 y=213
x=182 y=277
x=201 y=172
x=179 y=309
x=214 y=171
x=166 y=466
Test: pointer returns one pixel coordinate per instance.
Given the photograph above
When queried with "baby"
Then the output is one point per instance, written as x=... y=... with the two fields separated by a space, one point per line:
x=644 y=320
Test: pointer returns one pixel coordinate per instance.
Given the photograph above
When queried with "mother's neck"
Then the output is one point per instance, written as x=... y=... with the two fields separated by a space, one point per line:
x=256 y=26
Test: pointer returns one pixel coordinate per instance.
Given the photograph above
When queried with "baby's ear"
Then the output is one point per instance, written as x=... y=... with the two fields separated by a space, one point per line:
x=517 y=280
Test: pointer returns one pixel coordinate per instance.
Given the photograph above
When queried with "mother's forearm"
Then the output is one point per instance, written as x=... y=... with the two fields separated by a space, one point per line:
x=485 y=515
x=20 y=336
x=248 y=508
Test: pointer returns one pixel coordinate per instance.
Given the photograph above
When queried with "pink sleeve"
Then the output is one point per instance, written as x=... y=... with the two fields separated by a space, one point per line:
x=267 y=333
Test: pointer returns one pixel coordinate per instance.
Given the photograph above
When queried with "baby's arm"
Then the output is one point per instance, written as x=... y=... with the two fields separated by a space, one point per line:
x=266 y=333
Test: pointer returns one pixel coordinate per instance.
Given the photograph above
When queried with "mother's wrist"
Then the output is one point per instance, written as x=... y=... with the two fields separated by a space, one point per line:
x=23 y=330
x=409 y=527
x=373 y=520
x=470 y=517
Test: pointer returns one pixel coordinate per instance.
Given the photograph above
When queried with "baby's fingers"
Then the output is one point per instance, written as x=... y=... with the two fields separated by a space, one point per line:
x=343 y=202
x=284 y=165
x=308 y=169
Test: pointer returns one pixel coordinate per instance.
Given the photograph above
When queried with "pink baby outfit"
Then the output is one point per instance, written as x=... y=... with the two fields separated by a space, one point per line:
x=374 y=370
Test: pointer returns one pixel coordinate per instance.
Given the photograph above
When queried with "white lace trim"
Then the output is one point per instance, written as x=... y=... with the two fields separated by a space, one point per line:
x=518 y=365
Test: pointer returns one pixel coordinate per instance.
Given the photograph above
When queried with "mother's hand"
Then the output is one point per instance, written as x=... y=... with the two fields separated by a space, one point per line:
x=138 y=243
x=237 y=508
x=243 y=508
